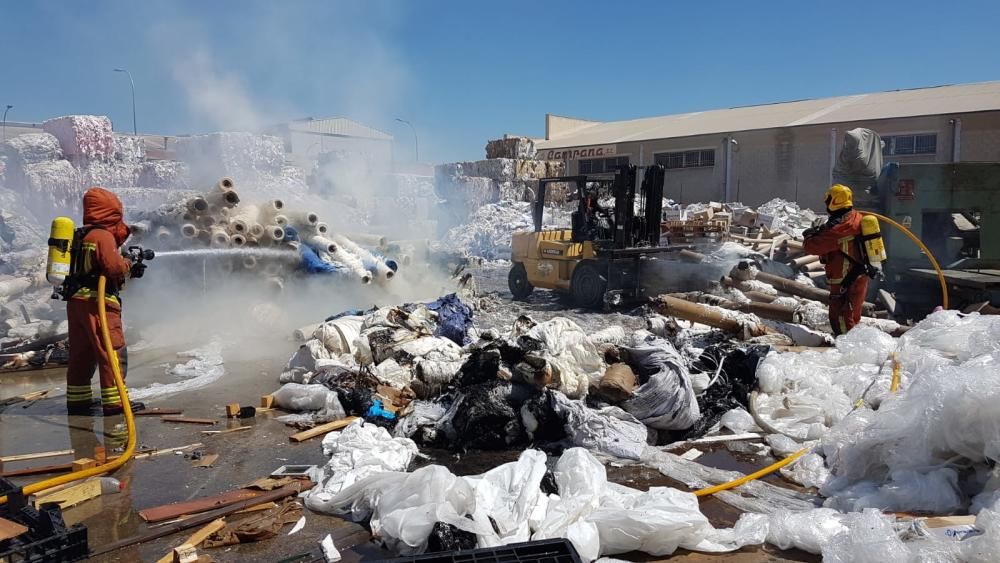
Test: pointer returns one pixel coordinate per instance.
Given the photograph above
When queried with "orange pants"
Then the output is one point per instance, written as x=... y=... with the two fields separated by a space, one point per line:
x=86 y=351
x=845 y=310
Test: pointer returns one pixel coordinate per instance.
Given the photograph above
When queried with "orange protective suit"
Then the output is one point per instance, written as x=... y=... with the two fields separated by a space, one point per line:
x=106 y=232
x=831 y=242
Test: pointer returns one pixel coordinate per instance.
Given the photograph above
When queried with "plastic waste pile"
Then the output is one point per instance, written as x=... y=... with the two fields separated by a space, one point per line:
x=487 y=232
x=930 y=447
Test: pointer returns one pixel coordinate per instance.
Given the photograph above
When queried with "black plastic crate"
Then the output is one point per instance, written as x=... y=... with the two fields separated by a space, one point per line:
x=48 y=539
x=558 y=550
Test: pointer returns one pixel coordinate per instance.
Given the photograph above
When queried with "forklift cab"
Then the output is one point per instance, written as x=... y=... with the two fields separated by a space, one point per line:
x=615 y=225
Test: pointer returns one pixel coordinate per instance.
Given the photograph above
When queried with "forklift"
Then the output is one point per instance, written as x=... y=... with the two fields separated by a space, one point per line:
x=598 y=261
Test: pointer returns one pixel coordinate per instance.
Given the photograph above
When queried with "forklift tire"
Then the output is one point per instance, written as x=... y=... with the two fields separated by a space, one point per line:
x=517 y=281
x=588 y=285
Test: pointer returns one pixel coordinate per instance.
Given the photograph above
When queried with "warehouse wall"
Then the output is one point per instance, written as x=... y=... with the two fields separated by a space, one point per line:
x=794 y=162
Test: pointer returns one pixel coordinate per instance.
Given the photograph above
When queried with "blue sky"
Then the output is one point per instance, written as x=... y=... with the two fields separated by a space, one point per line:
x=464 y=72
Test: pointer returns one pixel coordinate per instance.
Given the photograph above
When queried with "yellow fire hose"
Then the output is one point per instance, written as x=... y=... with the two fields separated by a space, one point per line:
x=895 y=371
x=126 y=407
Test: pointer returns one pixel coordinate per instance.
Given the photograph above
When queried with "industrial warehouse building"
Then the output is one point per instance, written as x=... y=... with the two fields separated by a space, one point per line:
x=755 y=153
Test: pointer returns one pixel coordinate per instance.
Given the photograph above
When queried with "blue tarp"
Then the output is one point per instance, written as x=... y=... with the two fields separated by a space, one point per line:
x=313 y=264
x=454 y=319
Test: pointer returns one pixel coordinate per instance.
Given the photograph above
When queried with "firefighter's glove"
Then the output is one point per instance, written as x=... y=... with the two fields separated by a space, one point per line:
x=137 y=270
x=810 y=232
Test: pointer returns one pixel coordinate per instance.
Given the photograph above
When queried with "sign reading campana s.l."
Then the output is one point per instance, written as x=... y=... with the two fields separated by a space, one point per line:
x=576 y=154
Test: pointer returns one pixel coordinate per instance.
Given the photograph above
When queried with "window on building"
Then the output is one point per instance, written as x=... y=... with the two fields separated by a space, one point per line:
x=901 y=145
x=601 y=165
x=686 y=159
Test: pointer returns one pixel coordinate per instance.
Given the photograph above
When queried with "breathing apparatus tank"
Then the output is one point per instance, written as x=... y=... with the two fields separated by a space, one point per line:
x=58 y=263
x=871 y=242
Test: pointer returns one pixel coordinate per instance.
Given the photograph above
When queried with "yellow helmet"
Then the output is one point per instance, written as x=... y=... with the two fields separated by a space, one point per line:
x=839 y=196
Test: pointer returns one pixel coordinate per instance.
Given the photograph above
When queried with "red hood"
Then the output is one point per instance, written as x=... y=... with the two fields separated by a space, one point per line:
x=103 y=209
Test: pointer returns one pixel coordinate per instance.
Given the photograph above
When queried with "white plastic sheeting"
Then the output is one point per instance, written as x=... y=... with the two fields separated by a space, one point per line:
x=487 y=233
x=609 y=430
x=927 y=448
x=666 y=400
x=506 y=505
x=358 y=452
x=575 y=361
x=300 y=397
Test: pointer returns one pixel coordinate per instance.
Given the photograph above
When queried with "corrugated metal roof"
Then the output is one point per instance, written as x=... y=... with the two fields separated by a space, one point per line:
x=338 y=126
x=962 y=98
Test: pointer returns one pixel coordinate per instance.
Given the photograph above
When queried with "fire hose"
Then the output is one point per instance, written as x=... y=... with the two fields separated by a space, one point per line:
x=126 y=455
x=895 y=372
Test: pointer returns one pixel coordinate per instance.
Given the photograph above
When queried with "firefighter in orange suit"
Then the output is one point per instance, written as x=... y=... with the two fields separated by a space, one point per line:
x=837 y=243
x=104 y=231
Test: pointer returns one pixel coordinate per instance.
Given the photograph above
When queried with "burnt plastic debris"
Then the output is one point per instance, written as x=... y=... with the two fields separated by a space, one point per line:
x=736 y=381
x=496 y=415
x=558 y=550
x=481 y=366
x=486 y=418
x=445 y=537
x=361 y=402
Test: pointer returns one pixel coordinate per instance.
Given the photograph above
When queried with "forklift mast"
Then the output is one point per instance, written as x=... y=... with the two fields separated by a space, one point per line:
x=628 y=225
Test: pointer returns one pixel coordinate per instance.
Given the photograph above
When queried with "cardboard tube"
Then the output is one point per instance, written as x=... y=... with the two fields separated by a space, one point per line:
x=197 y=204
x=672 y=306
x=274 y=233
x=803 y=261
x=249 y=262
x=321 y=228
x=759 y=297
x=307 y=218
x=691 y=256
x=256 y=230
x=281 y=220
x=324 y=244
x=762 y=310
x=219 y=237
x=223 y=198
x=164 y=233
x=238 y=226
x=237 y=240
x=189 y=230
x=225 y=183
x=305 y=333
x=816 y=266
x=367 y=240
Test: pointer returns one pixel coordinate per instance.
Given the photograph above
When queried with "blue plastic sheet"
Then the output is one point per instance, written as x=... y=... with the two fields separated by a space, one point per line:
x=454 y=319
x=313 y=264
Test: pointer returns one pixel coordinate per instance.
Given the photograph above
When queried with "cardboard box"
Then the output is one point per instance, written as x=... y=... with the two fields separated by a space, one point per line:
x=674 y=215
x=704 y=214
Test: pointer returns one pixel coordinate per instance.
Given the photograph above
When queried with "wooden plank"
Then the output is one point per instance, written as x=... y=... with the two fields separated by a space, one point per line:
x=322 y=429
x=947 y=521
x=10 y=529
x=267 y=401
x=157 y=412
x=39 y=470
x=233 y=410
x=227 y=431
x=155 y=453
x=196 y=538
x=38 y=455
x=187 y=420
x=168 y=511
x=257 y=508
x=206 y=460
x=270 y=496
x=84 y=463
x=72 y=496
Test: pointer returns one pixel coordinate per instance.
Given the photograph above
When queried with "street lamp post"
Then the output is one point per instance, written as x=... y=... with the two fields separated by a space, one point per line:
x=135 y=130
x=8 y=108
x=416 y=143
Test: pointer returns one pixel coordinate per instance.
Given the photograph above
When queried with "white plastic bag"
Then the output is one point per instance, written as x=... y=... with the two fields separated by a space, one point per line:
x=609 y=430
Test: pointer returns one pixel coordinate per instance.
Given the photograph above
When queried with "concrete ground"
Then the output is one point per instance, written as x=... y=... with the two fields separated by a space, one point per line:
x=248 y=455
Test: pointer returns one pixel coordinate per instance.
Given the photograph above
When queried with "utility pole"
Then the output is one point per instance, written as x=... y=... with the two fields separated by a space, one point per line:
x=8 y=108
x=135 y=130
x=416 y=144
